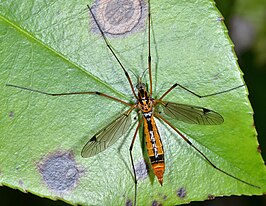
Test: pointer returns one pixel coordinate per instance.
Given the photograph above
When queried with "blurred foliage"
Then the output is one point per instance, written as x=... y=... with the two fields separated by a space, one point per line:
x=246 y=22
x=251 y=15
x=254 y=12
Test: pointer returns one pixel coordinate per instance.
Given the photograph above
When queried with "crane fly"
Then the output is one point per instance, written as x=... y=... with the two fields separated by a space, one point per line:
x=146 y=105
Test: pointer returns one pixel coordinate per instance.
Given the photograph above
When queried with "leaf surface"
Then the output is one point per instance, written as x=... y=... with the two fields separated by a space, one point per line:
x=50 y=46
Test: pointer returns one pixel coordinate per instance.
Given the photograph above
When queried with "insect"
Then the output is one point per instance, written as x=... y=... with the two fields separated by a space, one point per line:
x=147 y=106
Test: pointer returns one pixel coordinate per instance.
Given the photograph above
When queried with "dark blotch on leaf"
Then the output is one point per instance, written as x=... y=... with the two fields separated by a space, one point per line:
x=59 y=171
x=155 y=203
x=11 y=114
x=119 y=18
x=181 y=192
x=21 y=183
x=141 y=169
x=129 y=203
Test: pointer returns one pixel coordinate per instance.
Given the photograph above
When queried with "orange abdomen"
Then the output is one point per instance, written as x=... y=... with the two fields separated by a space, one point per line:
x=154 y=146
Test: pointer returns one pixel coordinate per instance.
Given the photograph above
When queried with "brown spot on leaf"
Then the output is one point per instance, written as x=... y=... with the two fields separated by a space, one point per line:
x=60 y=171
x=181 y=192
x=129 y=203
x=21 y=183
x=141 y=169
x=155 y=203
x=118 y=18
x=11 y=114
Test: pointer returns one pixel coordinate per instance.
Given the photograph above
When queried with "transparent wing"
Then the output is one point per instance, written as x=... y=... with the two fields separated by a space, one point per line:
x=191 y=114
x=107 y=136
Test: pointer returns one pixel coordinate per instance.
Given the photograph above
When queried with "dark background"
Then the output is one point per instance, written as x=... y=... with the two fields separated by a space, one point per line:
x=245 y=20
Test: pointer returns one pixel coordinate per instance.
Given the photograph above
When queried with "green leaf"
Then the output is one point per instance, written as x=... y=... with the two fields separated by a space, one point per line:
x=50 y=46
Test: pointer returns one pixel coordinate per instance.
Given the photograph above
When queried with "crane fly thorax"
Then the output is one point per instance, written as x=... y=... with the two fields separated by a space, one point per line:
x=145 y=105
x=145 y=102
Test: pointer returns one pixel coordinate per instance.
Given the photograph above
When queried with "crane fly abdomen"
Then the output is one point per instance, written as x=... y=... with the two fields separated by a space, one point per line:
x=154 y=146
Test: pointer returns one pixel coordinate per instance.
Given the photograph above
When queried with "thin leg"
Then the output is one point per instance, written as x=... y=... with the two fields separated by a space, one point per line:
x=157 y=57
x=112 y=51
x=132 y=162
x=204 y=156
x=70 y=93
x=200 y=96
x=149 y=46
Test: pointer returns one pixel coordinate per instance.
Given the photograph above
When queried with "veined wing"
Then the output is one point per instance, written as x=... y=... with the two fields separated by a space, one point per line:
x=192 y=114
x=107 y=136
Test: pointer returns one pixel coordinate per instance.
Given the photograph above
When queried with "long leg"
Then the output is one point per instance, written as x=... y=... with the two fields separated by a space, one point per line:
x=200 y=96
x=149 y=46
x=204 y=156
x=112 y=51
x=70 y=93
x=156 y=56
x=132 y=162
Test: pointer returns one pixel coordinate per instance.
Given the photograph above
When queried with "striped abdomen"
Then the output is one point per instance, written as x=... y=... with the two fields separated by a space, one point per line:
x=154 y=146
